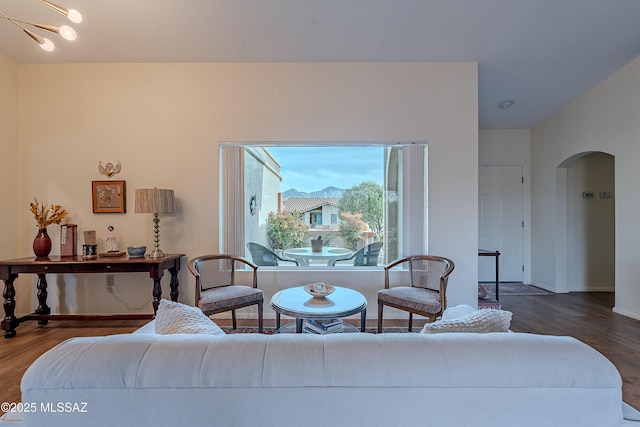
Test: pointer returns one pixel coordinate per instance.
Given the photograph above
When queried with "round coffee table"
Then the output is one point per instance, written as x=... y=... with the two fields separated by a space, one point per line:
x=297 y=303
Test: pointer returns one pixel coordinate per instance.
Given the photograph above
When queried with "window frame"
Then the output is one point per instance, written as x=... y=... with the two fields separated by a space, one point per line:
x=413 y=210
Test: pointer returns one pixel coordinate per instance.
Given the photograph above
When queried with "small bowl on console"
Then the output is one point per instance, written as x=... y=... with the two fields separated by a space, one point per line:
x=136 y=251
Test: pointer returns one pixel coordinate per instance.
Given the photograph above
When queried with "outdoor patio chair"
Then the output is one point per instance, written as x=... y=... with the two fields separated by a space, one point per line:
x=426 y=293
x=216 y=288
x=365 y=256
x=265 y=256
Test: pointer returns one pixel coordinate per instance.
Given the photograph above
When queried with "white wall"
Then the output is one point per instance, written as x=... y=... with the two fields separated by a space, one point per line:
x=164 y=123
x=262 y=181
x=512 y=147
x=604 y=119
x=9 y=155
x=504 y=147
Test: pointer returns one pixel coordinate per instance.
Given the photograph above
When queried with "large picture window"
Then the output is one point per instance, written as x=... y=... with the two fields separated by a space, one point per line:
x=338 y=205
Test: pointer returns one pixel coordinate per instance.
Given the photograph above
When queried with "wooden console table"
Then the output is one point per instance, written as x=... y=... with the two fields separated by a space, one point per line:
x=9 y=271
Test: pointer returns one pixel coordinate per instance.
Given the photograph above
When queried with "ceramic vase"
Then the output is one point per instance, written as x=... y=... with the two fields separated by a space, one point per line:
x=42 y=243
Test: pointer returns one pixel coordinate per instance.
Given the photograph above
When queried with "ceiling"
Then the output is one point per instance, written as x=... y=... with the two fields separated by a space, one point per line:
x=540 y=53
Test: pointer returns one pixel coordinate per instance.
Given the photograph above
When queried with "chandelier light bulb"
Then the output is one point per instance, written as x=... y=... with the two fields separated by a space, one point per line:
x=64 y=31
x=47 y=45
x=74 y=16
x=67 y=33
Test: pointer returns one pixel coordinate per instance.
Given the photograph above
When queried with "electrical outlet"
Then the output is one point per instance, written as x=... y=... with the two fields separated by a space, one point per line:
x=111 y=281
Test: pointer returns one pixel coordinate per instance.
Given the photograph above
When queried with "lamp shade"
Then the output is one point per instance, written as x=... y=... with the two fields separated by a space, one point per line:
x=154 y=200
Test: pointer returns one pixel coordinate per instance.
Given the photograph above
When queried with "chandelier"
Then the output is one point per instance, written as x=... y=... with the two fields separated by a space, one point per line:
x=64 y=31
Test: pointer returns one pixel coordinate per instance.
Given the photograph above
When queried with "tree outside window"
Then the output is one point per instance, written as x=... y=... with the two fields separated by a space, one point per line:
x=351 y=228
x=286 y=230
x=366 y=198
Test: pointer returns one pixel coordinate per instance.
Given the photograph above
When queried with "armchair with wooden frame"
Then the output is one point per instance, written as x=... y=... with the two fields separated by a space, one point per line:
x=216 y=288
x=426 y=293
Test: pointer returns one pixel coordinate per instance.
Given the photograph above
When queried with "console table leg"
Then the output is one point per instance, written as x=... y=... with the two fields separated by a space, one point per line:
x=10 y=321
x=43 y=308
x=157 y=293
x=174 y=284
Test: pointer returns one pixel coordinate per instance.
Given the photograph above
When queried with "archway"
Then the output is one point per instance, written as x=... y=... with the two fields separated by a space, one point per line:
x=585 y=239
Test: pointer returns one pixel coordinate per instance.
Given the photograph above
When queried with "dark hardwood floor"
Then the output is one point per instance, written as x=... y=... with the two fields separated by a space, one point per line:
x=585 y=316
x=588 y=317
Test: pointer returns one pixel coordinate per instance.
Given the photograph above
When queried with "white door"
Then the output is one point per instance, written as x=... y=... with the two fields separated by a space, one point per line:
x=501 y=222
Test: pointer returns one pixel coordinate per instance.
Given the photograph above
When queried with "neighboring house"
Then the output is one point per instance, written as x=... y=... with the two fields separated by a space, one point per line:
x=318 y=212
x=323 y=217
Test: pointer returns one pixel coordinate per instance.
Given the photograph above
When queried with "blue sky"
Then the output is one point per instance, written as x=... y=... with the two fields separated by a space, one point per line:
x=314 y=168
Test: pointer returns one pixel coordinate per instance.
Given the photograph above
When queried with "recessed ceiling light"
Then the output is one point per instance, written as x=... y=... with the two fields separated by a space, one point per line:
x=507 y=103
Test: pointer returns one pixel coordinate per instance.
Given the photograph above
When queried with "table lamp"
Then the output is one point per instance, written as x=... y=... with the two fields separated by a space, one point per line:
x=155 y=201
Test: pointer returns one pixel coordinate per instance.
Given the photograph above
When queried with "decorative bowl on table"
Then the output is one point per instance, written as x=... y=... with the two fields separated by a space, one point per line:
x=319 y=290
x=136 y=250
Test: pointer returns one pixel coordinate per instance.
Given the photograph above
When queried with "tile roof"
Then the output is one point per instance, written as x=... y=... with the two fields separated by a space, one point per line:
x=305 y=204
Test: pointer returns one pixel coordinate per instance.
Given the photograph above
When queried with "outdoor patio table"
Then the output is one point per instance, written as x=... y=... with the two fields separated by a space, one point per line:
x=328 y=254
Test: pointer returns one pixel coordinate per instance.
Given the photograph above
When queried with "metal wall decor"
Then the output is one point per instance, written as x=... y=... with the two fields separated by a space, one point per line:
x=109 y=169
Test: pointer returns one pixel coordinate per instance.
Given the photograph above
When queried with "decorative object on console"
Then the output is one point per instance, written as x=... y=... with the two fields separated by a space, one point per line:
x=482 y=292
x=64 y=31
x=109 y=196
x=155 y=201
x=90 y=247
x=112 y=244
x=135 y=251
x=109 y=169
x=45 y=216
x=68 y=239
x=42 y=243
x=89 y=251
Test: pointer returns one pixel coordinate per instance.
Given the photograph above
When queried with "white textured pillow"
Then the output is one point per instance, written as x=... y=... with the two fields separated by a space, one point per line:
x=479 y=321
x=175 y=318
x=457 y=312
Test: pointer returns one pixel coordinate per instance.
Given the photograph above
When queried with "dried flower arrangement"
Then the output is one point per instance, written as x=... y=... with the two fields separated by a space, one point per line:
x=46 y=216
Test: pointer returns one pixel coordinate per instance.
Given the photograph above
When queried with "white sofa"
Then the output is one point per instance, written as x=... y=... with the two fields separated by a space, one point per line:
x=449 y=379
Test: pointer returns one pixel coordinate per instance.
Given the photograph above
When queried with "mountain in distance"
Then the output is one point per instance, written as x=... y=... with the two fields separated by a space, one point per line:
x=327 y=192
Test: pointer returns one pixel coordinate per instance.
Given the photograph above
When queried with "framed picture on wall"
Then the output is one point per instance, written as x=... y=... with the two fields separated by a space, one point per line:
x=109 y=196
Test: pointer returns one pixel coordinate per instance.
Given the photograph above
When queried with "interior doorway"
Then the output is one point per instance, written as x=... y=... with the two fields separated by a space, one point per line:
x=501 y=221
x=585 y=240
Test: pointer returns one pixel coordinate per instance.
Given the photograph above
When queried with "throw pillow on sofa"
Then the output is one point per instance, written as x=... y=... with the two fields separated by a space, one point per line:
x=458 y=311
x=176 y=318
x=478 y=321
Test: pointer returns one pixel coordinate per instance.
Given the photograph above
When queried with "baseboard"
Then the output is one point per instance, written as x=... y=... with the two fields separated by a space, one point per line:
x=626 y=313
x=545 y=287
